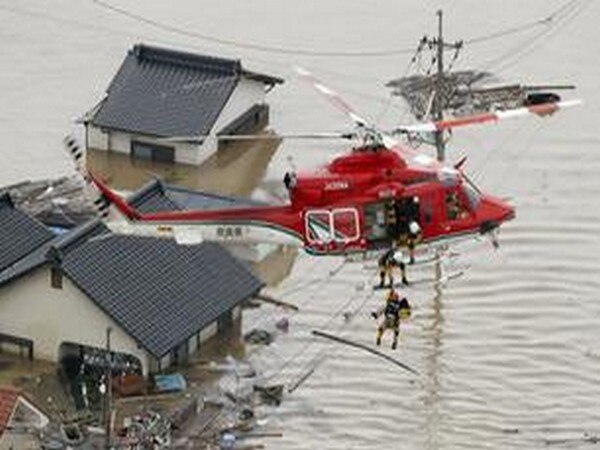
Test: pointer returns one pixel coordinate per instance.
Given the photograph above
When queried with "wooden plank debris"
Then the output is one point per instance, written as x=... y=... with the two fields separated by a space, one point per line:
x=268 y=299
x=365 y=348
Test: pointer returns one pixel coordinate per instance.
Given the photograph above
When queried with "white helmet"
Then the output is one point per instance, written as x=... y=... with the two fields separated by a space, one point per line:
x=414 y=227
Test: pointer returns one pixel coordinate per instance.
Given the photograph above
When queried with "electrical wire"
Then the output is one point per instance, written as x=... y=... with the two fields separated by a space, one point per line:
x=330 y=53
x=521 y=28
x=556 y=22
x=248 y=45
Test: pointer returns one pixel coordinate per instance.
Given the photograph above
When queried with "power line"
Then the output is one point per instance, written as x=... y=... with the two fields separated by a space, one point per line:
x=330 y=53
x=521 y=28
x=526 y=48
x=247 y=45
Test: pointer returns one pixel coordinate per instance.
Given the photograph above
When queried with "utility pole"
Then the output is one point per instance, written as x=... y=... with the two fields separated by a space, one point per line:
x=439 y=88
x=438 y=106
x=438 y=103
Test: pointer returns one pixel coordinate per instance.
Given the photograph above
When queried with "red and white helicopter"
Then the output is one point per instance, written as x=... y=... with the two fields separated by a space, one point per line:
x=347 y=206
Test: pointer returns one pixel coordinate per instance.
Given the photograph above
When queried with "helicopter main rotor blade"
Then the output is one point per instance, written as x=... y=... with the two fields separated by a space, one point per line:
x=259 y=137
x=541 y=110
x=334 y=98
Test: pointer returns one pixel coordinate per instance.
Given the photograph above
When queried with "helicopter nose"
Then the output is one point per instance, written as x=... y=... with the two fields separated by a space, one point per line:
x=493 y=212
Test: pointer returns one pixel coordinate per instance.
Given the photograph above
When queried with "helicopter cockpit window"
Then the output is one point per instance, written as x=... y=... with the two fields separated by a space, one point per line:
x=473 y=196
x=455 y=209
x=448 y=177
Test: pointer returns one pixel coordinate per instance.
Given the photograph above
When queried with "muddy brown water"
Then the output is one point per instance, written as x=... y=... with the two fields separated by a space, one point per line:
x=508 y=354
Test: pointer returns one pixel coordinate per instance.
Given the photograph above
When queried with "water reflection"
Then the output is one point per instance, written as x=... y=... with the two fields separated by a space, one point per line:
x=432 y=383
x=236 y=168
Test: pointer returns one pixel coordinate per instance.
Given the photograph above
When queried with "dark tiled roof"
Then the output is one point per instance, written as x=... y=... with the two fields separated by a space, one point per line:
x=160 y=292
x=152 y=198
x=62 y=243
x=20 y=234
x=157 y=196
x=163 y=92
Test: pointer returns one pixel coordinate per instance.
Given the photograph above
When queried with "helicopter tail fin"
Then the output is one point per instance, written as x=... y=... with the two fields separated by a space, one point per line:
x=107 y=196
x=111 y=197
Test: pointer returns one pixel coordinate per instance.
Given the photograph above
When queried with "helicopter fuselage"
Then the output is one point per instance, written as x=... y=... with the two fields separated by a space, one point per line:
x=360 y=202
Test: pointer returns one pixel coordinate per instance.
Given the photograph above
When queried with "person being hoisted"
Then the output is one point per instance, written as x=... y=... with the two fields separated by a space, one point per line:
x=386 y=263
x=394 y=310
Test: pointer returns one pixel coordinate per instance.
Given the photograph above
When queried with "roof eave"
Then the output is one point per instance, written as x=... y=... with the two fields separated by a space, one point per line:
x=261 y=77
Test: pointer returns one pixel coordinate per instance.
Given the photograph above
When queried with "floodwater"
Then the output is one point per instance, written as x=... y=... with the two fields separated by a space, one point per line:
x=508 y=353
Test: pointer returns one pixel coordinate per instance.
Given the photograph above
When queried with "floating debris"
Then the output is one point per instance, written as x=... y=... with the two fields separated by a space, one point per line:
x=274 y=301
x=259 y=337
x=283 y=324
x=170 y=383
x=366 y=348
x=270 y=395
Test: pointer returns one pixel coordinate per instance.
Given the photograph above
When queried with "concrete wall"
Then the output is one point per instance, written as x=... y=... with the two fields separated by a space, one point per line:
x=245 y=95
x=32 y=309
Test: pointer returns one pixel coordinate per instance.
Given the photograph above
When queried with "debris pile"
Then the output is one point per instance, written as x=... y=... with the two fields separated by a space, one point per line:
x=60 y=202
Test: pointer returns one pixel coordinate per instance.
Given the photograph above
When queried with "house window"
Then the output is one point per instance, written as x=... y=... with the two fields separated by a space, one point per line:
x=152 y=152
x=56 y=278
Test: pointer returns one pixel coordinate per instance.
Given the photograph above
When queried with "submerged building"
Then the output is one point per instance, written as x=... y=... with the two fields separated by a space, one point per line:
x=161 y=93
x=60 y=293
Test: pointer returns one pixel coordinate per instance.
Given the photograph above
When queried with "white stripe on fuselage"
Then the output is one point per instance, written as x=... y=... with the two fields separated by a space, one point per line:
x=195 y=233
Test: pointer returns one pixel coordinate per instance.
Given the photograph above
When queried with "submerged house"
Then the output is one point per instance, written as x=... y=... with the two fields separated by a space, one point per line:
x=160 y=93
x=161 y=300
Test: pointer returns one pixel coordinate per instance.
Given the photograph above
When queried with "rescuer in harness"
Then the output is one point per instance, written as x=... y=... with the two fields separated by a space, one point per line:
x=394 y=310
x=386 y=263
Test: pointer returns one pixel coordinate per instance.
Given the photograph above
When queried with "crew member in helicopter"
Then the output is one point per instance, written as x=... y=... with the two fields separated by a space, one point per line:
x=393 y=311
x=412 y=234
x=413 y=237
x=387 y=262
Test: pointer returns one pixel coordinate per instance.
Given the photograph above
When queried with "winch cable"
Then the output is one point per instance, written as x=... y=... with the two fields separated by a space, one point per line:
x=324 y=325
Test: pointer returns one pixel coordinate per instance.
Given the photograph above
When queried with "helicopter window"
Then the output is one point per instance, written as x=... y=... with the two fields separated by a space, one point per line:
x=375 y=221
x=345 y=224
x=473 y=196
x=455 y=209
x=448 y=177
x=318 y=226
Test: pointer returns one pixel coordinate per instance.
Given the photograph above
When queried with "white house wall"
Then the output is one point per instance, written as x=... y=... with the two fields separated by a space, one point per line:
x=246 y=94
x=30 y=308
x=96 y=138
x=120 y=142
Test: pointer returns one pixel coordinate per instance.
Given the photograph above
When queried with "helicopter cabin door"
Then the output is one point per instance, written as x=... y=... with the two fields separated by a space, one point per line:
x=334 y=228
x=388 y=221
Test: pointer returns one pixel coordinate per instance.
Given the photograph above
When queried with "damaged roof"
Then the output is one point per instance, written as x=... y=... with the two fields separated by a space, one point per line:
x=164 y=92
